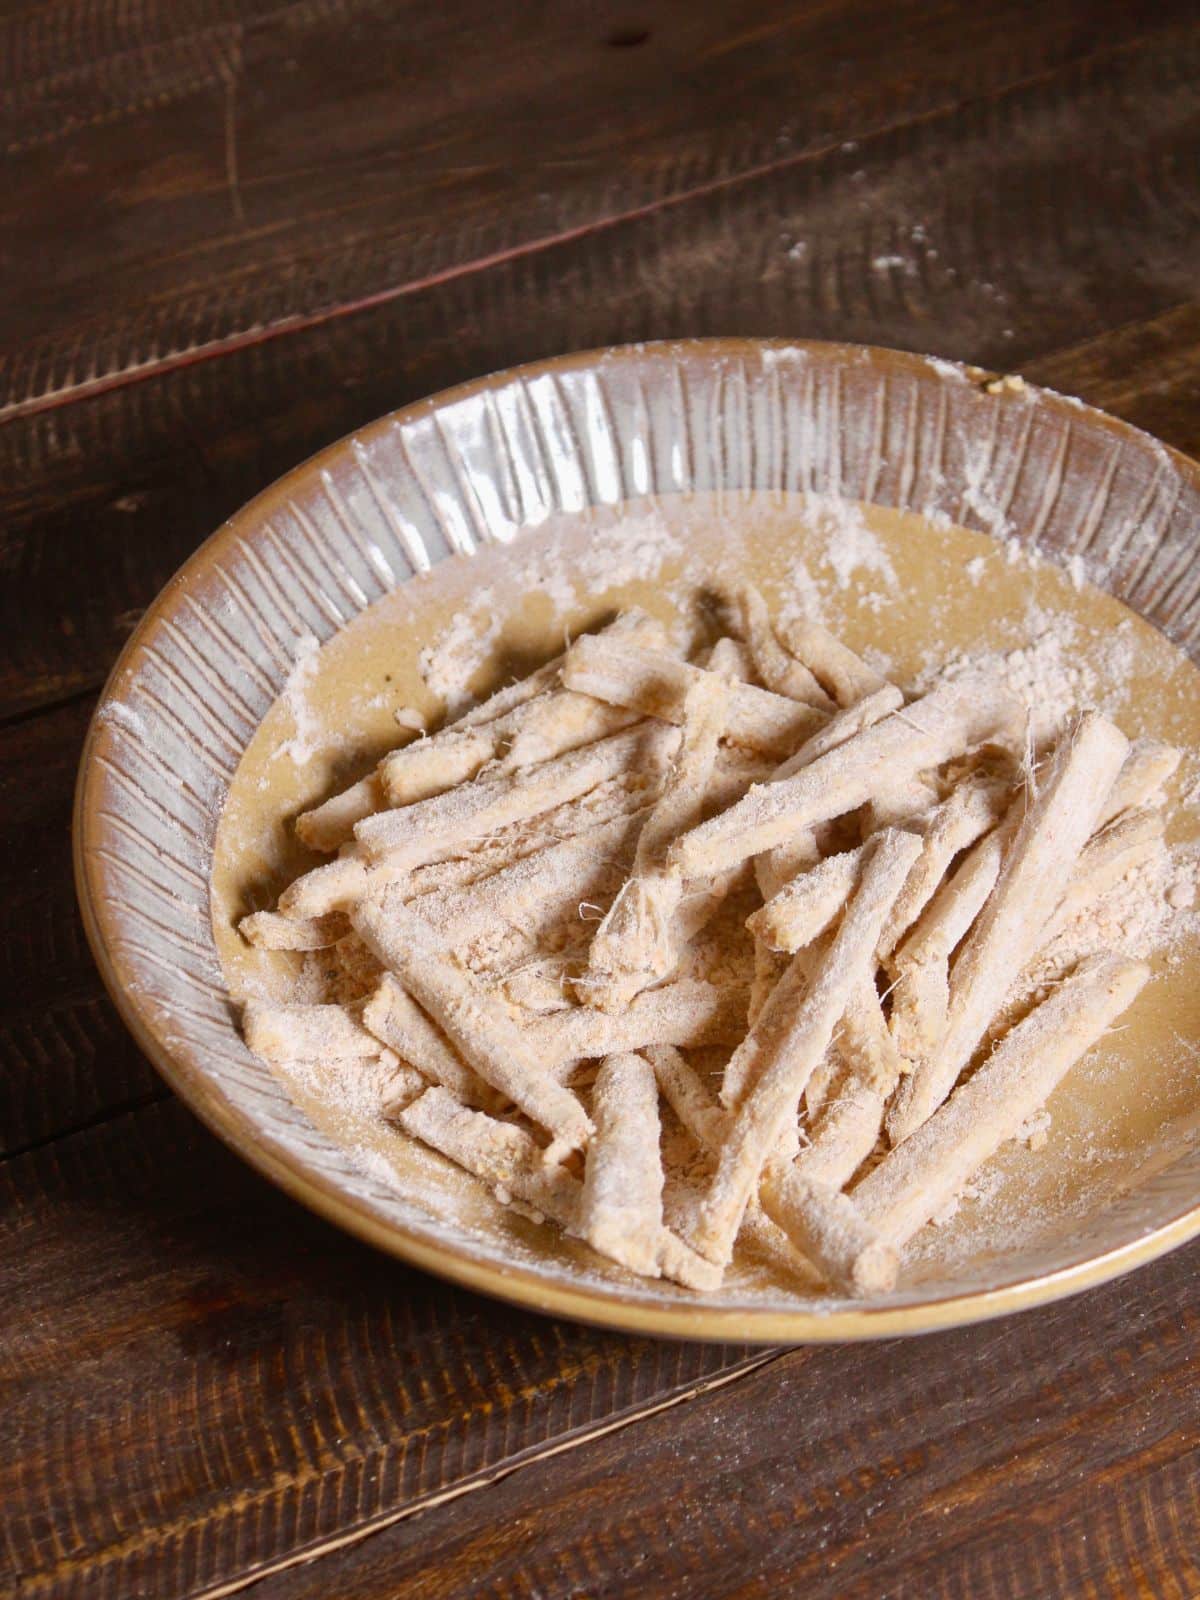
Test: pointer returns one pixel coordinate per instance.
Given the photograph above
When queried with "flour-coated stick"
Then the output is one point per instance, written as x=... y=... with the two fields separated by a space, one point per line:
x=731 y=660
x=539 y=891
x=1147 y=767
x=396 y=1019
x=828 y=1227
x=306 y=1033
x=1037 y=867
x=636 y=942
x=790 y=1042
x=656 y=684
x=944 y=724
x=779 y=670
x=474 y=1020
x=837 y=668
x=777 y=867
x=704 y=1121
x=267 y=930
x=620 y=1211
x=964 y=816
x=511 y=1163
x=1128 y=841
x=446 y=824
x=689 y=1012
x=915 y=1180
x=802 y=910
x=426 y=766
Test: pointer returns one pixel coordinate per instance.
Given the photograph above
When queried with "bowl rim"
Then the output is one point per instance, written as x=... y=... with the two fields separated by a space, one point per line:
x=514 y=1282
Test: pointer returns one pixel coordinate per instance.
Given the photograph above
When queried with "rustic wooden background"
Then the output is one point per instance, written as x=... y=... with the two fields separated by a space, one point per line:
x=232 y=230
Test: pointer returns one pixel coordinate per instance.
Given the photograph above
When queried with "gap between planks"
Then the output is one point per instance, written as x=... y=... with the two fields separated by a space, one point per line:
x=300 y=322
x=86 y=691
x=483 y=1480
x=123 y=1108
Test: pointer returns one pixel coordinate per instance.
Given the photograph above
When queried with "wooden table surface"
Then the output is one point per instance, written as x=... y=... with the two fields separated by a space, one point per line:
x=233 y=230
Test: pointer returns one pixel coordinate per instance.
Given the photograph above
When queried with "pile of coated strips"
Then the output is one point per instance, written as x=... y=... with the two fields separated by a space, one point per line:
x=513 y=909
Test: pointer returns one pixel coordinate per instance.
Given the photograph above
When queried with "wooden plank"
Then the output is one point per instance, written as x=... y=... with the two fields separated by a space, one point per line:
x=1147 y=372
x=1048 y=1454
x=103 y=499
x=201 y=172
x=200 y=1384
x=65 y=1055
x=197 y=1377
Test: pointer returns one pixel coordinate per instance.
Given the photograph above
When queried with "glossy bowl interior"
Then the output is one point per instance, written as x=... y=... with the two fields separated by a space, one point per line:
x=554 y=447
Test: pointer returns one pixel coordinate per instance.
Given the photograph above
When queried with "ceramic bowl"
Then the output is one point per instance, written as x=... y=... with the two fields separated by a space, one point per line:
x=564 y=444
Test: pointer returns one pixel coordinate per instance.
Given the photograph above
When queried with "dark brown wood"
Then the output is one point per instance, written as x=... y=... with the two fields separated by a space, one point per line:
x=101 y=500
x=233 y=170
x=254 y=1387
x=65 y=1056
x=197 y=1378
x=234 y=232
x=1147 y=372
x=1050 y=1454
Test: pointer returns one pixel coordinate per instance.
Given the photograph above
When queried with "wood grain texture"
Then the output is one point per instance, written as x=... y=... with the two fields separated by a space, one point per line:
x=1048 y=1454
x=1147 y=372
x=103 y=499
x=65 y=1055
x=201 y=1385
x=197 y=1377
x=232 y=171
